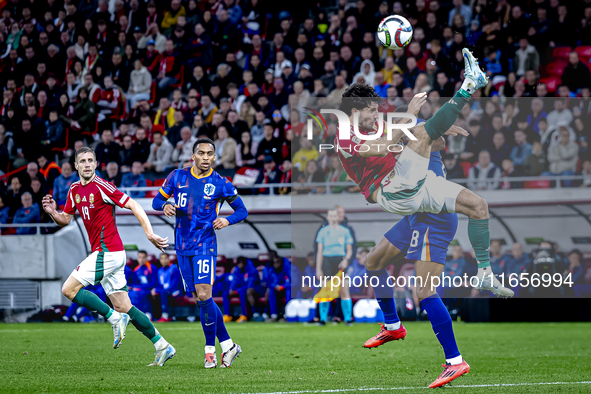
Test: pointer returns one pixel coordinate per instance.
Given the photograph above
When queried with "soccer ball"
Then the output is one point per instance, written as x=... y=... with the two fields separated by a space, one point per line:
x=394 y=32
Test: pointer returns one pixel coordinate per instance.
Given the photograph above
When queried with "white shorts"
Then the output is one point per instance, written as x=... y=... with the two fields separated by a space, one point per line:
x=106 y=268
x=412 y=188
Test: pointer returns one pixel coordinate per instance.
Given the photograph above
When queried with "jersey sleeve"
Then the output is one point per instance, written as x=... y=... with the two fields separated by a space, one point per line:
x=70 y=207
x=116 y=196
x=229 y=192
x=167 y=189
x=320 y=237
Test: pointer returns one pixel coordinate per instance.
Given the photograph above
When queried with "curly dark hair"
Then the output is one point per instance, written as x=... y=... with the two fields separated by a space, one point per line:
x=203 y=140
x=359 y=96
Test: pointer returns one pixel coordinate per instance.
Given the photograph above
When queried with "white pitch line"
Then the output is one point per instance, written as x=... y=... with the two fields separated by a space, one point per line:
x=421 y=388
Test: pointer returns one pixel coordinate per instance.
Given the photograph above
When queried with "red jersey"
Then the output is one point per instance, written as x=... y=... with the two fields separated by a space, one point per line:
x=96 y=203
x=367 y=172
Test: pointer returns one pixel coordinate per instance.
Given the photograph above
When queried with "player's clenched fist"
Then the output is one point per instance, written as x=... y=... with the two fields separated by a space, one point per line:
x=220 y=223
x=170 y=210
x=49 y=204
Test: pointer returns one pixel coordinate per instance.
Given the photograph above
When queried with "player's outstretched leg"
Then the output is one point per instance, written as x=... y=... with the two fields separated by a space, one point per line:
x=164 y=350
x=454 y=366
x=378 y=258
x=73 y=290
x=476 y=208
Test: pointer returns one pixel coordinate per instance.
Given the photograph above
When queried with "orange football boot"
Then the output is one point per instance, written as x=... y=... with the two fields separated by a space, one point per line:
x=242 y=319
x=227 y=319
x=385 y=336
x=450 y=372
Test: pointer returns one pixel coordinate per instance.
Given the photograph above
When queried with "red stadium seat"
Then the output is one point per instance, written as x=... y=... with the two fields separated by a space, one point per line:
x=552 y=83
x=556 y=68
x=466 y=166
x=153 y=193
x=541 y=184
x=180 y=77
x=159 y=182
x=584 y=53
x=561 y=53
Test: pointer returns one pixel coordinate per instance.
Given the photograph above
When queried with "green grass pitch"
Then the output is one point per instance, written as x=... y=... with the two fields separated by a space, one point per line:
x=76 y=358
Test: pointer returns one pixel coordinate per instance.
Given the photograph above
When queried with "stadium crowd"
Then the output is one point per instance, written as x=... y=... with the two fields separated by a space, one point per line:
x=140 y=81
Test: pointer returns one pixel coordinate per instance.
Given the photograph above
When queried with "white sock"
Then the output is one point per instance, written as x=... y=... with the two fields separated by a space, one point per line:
x=469 y=85
x=209 y=349
x=164 y=315
x=393 y=326
x=455 y=361
x=161 y=344
x=115 y=317
x=273 y=316
x=484 y=271
x=226 y=345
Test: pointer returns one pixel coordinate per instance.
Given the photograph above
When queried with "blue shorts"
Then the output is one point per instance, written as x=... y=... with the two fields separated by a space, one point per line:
x=424 y=236
x=196 y=270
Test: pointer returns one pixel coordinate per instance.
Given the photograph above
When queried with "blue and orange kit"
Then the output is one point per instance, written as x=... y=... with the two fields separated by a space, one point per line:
x=198 y=200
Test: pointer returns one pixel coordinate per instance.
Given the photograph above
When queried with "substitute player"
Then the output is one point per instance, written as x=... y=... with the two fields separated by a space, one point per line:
x=96 y=199
x=199 y=192
x=406 y=185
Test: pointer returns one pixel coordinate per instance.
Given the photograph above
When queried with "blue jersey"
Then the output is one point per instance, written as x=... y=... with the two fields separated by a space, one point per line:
x=198 y=200
x=425 y=236
x=169 y=280
x=334 y=240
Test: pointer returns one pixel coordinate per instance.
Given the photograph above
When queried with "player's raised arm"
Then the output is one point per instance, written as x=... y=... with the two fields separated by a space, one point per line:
x=50 y=206
x=141 y=216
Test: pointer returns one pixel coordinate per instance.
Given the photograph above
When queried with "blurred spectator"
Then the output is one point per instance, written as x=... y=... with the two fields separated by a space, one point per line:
x=311 y=174
x=160 y=158
x=169 y=287
x=140 y=84
x=521 y=150
x=357 y=269
x=306 y=152
x=245 y=282
x=62 y=183
x=208 y=108
x=126 y=153
x=310 y=272
x=107 y=150
x=269 y=174
x=336 y=174
x=560 y=116
x=576 y=75
x=453 y=169
x=485 y=175
x=134 y=179
x=277 y=280
x=38 y=191
x=575 y=269
x=459 y=9
x=141 y=146
x=174 y=132
x=84 y=117
x=475 y=142
x=184 y=148
x=526 y=58
x=28 y=213
x=510 y=171
x=497 y=258
x=269 y=145
x=536 y=162
x=517 y=262
x=4 y=211
x=112 y=174
x=246 y=150
x=52 y=136
x=225 y=150
x=500 y=149
x=563 y=157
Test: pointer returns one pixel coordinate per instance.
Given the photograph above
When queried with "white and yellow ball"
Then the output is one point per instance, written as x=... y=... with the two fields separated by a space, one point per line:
x=395 y=32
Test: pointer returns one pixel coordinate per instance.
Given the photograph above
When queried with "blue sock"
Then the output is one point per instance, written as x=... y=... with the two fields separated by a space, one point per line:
x=221 y=331
x=347 y=307
x=441 y=322
x=324 y=308
x=385 y=296
x=243 y=302
x=226 y=303
x=208 y=315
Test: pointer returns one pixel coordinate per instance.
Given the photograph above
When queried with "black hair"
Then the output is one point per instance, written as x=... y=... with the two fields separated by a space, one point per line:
x=84 y=149
x=241 y=259
x=203 y=140
x=142 y=251
x=359 y=96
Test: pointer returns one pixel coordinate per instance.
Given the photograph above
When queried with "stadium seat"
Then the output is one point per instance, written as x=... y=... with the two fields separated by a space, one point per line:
x=552 y=83
x=159 y=182
x=561 y=53
x=466 y=165
x=181 y=78
x=153 y=193
x=556 y=68
x=263 y=258
x=541 y=184
x=584 y=53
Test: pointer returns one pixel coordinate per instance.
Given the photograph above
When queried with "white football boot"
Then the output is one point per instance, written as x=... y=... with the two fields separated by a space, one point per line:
x=163 y=355
x=473 y=72
x=119 y=329
x=231 y=355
